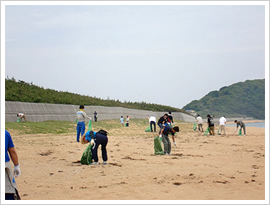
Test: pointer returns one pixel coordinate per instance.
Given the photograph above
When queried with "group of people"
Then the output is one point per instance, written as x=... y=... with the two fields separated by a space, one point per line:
x=165 y=124
x=95 y=138
x=122 y=121
x=222 y=123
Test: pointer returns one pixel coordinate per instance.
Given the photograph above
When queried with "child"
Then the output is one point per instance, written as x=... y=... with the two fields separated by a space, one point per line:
x=127 y=121
x=122 y=121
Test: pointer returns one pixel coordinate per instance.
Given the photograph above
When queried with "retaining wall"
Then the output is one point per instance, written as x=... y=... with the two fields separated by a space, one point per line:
x=44 y=111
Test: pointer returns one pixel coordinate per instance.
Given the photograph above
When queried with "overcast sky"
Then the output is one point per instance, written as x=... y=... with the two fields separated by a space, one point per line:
x=161 y=54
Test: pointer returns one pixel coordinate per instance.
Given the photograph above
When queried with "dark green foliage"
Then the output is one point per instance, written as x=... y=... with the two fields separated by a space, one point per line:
x=246 y=99
x=24 y=92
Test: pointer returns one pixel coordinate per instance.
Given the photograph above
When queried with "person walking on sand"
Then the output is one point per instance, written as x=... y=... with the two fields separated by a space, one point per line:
x=152 y=121
x=96 y=139
x=11 y=190
x=122 y=121
x=222 y=122
x=164 y=134
x=199 y=121
x=81 y=117
x=211 y=125
x=242 y=126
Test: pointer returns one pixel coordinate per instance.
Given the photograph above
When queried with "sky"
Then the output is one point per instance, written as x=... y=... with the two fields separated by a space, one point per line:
x=162 y=54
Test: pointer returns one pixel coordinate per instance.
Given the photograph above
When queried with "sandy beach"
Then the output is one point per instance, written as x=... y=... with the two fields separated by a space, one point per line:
x=220 y=167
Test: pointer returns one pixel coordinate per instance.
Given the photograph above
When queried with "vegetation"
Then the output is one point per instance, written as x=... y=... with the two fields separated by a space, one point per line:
x=25 y=92
x=65 y=127
x=246 y=99
x=52 y=127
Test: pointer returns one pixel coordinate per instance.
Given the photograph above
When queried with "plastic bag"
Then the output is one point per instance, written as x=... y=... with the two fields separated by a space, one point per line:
x=87 y=155
x=158 y=146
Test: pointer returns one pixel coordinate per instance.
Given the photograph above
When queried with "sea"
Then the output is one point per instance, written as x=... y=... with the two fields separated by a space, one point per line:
x=250 y=124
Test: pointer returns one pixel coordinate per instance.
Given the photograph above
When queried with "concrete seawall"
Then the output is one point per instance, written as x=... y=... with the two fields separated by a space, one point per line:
x=44 y=111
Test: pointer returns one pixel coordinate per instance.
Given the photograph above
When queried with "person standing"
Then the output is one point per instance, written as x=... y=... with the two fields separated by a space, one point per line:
x=81 y=117
x=11 y=190
x=222 y=122
x=165 y=131
x=96 y=139
x=152 y=121
x=199 y=121
x=95 y=116
x=170 y=117
x=127 y=121
x=242 y=126
x=122 y=121
x=211 y=125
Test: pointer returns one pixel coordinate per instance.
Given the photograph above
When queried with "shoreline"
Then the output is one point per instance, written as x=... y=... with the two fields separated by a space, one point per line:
x=246 y=121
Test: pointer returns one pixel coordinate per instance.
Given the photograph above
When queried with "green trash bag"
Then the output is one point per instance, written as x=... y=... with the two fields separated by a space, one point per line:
x=240 y=132
x=148 y=129
x=89 y=125
x=19 y=120
x=195 y=127
x=158 y=146
x=207 y=131
x=218 y=132
x=87 y=155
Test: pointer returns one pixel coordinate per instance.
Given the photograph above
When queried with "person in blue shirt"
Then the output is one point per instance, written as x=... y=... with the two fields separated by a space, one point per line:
x=11 y=190
x=96 y=139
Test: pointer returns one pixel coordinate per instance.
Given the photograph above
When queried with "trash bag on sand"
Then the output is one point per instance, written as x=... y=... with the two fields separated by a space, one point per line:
x=148 y=129
x=207 y=131
x=158 y=146
x=87 y=155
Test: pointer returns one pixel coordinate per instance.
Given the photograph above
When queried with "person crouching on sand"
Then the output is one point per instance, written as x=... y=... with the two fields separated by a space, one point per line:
x=165 y=131
x=96 y=139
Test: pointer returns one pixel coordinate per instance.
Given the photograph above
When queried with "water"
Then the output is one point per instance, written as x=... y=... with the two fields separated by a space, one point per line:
x=250 y=124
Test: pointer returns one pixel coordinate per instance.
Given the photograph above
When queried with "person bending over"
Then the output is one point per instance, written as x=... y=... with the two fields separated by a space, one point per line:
x=96 y=139
x=164 y=133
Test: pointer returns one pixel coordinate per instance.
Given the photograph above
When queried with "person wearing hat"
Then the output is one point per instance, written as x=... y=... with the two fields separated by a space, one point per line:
x=96 y=139
x=81 y=116
x=164 y=133
x=211 y=125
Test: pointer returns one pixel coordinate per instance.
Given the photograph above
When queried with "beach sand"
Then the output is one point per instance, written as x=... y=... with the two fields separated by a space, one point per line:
x=201 y=167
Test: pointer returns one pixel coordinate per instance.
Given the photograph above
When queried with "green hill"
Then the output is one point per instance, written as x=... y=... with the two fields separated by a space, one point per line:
x=246 y=99
x=25 y=92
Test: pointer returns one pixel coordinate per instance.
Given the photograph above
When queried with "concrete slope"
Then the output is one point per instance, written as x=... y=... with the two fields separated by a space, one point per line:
x=45 y=111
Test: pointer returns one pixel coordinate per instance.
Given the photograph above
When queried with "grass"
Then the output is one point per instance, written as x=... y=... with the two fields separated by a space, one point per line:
x=67 y=127
x=46 y=127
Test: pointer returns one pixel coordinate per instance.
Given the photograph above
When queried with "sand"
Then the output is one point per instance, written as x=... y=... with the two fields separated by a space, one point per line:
x=201 y=167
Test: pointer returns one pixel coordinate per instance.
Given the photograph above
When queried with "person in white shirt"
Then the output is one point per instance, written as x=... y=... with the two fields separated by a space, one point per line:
x=21 y=116
x=199 y=121
x=222 y=122
x=152 y=121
